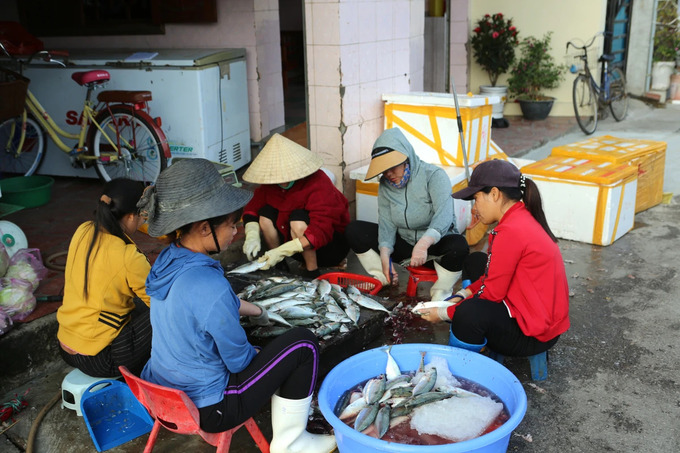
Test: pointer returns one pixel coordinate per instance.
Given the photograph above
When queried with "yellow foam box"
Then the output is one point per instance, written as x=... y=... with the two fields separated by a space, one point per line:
x=429 y=122
x=648 y=156
x=586 y=200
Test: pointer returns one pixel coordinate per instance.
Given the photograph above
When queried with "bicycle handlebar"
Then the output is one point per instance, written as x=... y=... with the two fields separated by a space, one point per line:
x=590 y=43
x=45 y=55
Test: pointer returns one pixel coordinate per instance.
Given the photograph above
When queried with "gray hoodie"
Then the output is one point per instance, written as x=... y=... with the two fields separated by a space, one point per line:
x=423 y=207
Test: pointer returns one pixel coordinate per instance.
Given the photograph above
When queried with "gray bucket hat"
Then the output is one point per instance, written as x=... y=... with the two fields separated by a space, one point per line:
x=188 y=191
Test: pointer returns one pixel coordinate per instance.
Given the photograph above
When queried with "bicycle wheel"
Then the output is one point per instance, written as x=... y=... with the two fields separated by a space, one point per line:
x=27 y=160
x=585 y=104
x=617 y=94
x=139 y=139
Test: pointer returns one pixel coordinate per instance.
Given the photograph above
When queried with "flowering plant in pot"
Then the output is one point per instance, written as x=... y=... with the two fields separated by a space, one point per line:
x=666 y=44
x=534 y=72
x=493 y=44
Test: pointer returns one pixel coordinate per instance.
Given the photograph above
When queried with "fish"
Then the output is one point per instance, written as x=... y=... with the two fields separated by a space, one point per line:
x=366 y=417
x=286 y=303
x=369 y=303
x=374 y=389
x=297 y=312
x=275 y=317
x=327 y=329
x=354 y=313
x=392 y=369
x=277 y=290
x=248 y=267
x=305 y=321
x=352 y=409
x=395 y=421
x=398 y=381
x=426 y=383
x=268 y=331
x=420 y=306
x=352 y=291
x=427 y=398
x=382 y=420
x=324 y=288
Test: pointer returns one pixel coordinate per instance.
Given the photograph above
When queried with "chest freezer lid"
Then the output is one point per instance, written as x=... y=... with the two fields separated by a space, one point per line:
x=441 y=99
x=180 y=58
x=609 y=148
x=576 y=169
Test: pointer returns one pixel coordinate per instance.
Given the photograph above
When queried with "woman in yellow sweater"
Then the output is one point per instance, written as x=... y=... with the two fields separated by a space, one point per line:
x=104 y=320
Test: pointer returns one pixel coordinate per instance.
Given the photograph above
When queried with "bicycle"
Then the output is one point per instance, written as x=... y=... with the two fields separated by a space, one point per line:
x=589 y=98
x=117 y=135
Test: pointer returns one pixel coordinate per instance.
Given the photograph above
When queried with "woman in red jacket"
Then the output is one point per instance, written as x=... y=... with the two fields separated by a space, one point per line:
x=518 y=303
x=296 y=211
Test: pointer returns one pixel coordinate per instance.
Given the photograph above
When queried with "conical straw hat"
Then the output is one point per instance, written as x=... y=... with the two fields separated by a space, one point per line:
x=280 y=161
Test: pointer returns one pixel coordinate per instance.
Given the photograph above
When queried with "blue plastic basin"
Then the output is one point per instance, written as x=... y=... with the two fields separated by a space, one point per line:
x=462 y=363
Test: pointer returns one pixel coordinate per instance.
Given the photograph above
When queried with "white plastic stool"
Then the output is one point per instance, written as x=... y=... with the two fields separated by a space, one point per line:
x=74 y=385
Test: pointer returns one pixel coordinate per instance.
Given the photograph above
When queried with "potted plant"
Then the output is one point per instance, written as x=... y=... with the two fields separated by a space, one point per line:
x=666 y=44
x=493 y=45
x=533 y=72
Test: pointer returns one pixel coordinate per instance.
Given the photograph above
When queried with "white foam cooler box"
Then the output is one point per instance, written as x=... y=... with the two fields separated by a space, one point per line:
x=586 y=200
x=648 y=156
x=429 y=122
x=367 y=195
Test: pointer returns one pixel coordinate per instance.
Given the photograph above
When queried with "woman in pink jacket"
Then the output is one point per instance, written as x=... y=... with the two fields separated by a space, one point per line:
x=518 y=303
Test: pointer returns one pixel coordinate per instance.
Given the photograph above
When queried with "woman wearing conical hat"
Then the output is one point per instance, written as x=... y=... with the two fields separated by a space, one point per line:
x=296 y=211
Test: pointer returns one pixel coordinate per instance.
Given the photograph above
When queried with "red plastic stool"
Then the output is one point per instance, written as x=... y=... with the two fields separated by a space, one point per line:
x=417 y=275
x=173 y=410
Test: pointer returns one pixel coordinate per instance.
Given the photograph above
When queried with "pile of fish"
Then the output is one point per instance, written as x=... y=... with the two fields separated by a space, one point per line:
x=319 y=305
x=388 y=399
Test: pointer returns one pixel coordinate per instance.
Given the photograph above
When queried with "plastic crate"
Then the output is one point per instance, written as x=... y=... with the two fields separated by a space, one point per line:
x=363 y=283
x=13 y=87
x=113 y=415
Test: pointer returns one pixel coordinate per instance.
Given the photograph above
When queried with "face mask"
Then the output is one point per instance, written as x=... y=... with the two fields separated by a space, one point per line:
x=404 y=179
x=286 y=186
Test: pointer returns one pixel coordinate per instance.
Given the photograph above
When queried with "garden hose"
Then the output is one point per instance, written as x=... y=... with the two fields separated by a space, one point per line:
x=38 y=419
x=49 y=261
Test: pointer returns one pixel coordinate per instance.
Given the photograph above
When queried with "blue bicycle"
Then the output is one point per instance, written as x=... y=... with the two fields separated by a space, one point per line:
x=590 y=98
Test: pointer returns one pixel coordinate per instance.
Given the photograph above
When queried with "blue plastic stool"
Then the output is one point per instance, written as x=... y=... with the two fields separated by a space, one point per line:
x=538 y=363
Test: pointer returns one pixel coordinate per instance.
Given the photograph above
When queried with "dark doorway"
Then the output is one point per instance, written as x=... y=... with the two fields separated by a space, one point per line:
x=293 y=61
x=617 y=28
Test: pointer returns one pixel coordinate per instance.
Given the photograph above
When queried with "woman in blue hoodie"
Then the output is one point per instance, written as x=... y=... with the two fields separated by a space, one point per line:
x=198 y=345
x=416 y=220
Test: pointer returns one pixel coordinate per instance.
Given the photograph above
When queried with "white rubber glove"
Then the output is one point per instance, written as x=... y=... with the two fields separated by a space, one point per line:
x=260 y=320
x=252 y=244
x=274 y=256
x=419 y=253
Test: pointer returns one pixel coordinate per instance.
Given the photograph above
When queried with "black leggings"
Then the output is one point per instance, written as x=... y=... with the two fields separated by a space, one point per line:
x=330 y=254
x=289 y=363
x=453 y=248
x=131 y=348
x=477 y=319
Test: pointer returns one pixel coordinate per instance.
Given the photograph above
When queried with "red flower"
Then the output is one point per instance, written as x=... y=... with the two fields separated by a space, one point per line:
x=494 y=35
x=512 y=28
x=500 y=15
x=477 y=30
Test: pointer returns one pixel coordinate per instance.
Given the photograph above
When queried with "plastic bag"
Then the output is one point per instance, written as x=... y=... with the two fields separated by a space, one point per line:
x=26 y=264
x=5 y=322
x=16 y=298
x=4 y=260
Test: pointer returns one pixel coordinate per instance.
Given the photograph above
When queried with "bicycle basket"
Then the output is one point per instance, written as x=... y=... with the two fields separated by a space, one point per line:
x=13 y=87
x=574 y=61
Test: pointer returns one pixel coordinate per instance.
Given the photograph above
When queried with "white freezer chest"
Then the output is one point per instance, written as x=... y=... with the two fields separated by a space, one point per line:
x=200 y=94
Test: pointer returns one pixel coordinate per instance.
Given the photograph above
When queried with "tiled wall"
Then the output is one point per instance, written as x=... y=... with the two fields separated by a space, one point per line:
x=356 y=51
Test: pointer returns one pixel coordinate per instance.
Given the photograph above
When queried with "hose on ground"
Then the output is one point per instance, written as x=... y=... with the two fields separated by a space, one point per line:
x=38 y=419
x=49 y=261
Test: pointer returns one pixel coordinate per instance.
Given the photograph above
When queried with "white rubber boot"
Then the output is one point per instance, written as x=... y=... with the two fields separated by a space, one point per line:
x=443 y=287
x=370 y=260
x=289 y=428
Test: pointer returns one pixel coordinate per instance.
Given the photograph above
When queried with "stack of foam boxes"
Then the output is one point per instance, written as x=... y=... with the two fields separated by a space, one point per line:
x=592 y=189
x=428 y=120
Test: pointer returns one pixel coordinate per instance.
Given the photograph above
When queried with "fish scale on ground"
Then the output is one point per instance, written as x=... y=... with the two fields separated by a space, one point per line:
x=319 y=305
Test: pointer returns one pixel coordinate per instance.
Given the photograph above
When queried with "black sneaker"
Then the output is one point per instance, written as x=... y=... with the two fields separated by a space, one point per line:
x=282 y=266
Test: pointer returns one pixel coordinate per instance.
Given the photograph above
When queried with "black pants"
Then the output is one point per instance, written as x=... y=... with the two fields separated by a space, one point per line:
x=330 y=254
x=131 y=348
x=477 y=319
x=453 y=248
x=289 y=363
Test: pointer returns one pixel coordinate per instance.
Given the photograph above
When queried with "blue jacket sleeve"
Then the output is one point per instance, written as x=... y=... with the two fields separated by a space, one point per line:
x=230 y=339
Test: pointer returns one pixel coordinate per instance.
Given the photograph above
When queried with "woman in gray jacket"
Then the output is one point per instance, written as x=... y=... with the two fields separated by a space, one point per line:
x=415 y=218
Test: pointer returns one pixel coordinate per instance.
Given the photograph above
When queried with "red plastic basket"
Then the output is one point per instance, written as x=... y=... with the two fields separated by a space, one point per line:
x=363 y=283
